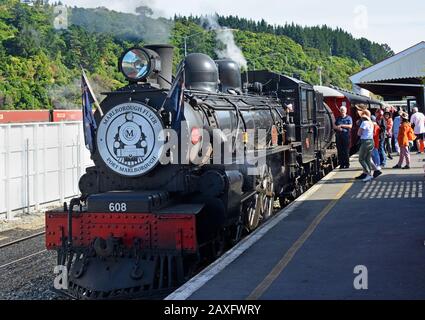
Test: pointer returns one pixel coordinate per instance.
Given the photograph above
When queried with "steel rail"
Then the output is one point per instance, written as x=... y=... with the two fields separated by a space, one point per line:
x=11 y=243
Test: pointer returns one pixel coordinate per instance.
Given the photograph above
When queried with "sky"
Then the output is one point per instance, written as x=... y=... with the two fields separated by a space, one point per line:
x=400 y=24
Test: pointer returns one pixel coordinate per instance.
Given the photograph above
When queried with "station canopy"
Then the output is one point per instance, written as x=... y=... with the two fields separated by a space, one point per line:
x=401 y=75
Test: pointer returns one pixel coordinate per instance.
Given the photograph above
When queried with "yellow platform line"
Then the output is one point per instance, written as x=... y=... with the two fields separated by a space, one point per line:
x=282 y=264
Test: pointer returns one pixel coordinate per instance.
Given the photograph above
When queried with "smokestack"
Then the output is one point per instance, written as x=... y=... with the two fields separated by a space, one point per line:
x=165 y=51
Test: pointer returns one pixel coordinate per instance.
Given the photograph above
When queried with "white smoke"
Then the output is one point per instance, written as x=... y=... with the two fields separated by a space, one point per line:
x=146 y=21
x=157 y=29
x=69 y=96
x=226 y=38
x=66 y=96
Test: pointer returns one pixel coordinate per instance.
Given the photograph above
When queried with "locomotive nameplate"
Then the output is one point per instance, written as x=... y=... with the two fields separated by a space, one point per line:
x=127 y=139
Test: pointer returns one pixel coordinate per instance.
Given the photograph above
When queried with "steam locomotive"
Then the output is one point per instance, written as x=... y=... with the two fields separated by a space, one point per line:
x=153 y=211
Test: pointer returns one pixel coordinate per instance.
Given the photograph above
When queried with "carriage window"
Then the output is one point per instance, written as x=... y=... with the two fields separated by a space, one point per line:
x=304 y=106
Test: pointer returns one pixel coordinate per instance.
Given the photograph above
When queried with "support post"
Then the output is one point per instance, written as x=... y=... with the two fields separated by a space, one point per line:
x=8 y=195
x=36 y=179
x=62 y=167
x=27 y=160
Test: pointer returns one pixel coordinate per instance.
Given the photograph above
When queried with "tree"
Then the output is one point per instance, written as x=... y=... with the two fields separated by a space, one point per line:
x=144 y=11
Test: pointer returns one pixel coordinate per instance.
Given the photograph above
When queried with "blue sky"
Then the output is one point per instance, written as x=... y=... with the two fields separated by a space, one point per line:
x=400 y=24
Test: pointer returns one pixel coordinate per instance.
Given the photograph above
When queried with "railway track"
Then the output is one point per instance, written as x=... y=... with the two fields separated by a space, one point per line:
x=23 y=252
x=22 y=259
x=11 y=243
x=25 y=266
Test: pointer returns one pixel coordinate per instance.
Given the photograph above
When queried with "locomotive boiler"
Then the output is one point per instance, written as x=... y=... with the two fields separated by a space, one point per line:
x=184 y=167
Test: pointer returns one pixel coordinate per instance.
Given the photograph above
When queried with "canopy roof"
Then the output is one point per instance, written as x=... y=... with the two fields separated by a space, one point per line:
x=407 y=64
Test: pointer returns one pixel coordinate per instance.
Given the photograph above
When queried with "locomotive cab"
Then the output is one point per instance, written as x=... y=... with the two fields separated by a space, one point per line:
x=301 y=98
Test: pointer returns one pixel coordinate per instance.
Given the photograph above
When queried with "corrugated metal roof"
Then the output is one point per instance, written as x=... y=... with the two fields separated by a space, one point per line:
x=409 y=63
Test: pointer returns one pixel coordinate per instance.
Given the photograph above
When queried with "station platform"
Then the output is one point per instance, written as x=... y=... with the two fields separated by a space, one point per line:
x=312 y=248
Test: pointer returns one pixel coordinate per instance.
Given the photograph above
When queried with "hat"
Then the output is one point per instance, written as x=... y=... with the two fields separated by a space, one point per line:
x=365 y=114
x=373 y=118
x=404 y=115
x=361 y=107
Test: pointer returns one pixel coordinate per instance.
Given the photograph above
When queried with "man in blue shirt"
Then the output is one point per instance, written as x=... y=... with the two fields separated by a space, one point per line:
x=343 y=126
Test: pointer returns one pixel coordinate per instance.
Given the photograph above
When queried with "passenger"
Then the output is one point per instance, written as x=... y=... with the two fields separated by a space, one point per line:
x=343 y=126
x=418 y=122
x=389 y=134
x=365 y=133
x=360 y=109
x=396 y=127
x=375 y=154
x=405 y=135
x=382 y=124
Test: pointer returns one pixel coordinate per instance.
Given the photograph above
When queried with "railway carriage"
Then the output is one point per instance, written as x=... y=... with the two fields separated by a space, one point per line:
x=335 y=98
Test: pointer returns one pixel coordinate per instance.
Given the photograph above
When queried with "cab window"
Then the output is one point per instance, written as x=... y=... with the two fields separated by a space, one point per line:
x=310 y=105
x=304 y=106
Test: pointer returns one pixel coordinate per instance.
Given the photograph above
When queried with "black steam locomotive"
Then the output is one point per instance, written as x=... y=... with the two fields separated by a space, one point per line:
x=180 y=175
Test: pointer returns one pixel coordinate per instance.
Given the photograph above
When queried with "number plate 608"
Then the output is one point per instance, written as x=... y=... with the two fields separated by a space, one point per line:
x=117 y=207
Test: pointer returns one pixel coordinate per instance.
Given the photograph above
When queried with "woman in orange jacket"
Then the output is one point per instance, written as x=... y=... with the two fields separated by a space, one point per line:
x=405 y=135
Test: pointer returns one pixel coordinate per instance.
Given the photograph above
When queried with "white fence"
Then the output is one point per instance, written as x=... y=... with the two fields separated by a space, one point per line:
x=40 y=163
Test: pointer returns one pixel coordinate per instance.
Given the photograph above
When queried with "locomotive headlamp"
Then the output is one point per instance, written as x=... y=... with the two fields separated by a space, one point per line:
x=138 y=64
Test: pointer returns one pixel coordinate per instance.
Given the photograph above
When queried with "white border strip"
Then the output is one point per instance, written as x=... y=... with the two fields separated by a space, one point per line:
x=194 y=284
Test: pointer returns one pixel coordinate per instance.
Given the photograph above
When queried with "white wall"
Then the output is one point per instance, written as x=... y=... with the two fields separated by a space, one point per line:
x=56 y=159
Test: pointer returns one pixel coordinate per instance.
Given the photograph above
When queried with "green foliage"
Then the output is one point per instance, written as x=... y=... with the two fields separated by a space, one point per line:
x=40 y=66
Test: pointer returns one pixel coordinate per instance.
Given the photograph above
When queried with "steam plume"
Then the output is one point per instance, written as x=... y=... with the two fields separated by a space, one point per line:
x=226 y=39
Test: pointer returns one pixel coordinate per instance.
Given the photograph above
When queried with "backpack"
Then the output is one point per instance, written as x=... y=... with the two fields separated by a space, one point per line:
x=383 y=126
x=410 y=134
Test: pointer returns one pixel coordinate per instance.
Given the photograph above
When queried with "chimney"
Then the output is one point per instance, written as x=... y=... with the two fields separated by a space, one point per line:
x=165 y=51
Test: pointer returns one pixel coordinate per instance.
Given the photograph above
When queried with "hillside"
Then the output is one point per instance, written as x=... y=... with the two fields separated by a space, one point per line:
x=39 y=66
